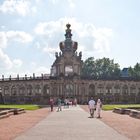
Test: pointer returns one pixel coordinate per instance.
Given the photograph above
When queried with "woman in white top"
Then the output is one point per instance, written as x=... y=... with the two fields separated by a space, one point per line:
x=98 y=108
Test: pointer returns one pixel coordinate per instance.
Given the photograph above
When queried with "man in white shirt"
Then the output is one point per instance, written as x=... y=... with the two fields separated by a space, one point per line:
x=91 y=105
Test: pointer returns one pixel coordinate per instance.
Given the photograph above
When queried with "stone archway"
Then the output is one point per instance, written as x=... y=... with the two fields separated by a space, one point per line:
x=14 y=98
x=46 y=94
x=92 y=90
x=21 y=94
x=1 y=97
x=69 y=90
x=100 y=92
x=29 y=94
x=132 y=94
x=125 y=94
x=117 y=90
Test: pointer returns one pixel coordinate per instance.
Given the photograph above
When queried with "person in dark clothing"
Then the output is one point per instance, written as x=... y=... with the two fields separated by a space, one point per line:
x=51 y=103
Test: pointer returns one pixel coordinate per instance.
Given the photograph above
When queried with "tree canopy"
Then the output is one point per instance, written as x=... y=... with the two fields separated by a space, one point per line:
x=135 y=72
x=100 y=68
x=105 y=68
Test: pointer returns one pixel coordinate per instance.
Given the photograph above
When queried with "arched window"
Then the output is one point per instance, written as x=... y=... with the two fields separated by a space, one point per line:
x=100 y=88
x=6 y=90
x=1 y=96
x=83 y=91
x=116 y=89
x=108 y=89
x=13 y=91
x=125 y=89
x=46 y=90
x=132 y=89
x=69 y=90
x=37 y=89
x=125 y=95
x=68 y=70
x=29 y=90
x=22 y=91
x=91 y=90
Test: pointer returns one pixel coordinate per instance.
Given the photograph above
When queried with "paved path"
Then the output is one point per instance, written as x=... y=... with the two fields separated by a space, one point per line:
x=71 y=124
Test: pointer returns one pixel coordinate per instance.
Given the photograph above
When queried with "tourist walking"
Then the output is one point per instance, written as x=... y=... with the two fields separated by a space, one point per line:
x=51 y=103
x=98 y=108
x=75 y=101
x=91 y=105
x=66 y=102
x=59 y=105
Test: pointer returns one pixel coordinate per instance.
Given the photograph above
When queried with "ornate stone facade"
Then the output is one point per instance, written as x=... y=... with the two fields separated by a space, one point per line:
x=65 y=81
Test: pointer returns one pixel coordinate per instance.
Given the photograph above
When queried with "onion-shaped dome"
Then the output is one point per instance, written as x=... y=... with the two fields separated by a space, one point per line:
x=68 y=44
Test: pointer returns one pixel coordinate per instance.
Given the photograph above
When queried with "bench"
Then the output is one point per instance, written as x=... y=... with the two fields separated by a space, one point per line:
x=4 y=114
x=118 y=110
x=135 y=114
x=130 y=112
x=18 y=111
x=127 y=111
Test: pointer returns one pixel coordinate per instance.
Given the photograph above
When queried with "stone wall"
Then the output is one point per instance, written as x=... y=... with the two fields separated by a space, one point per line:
x=38 y=91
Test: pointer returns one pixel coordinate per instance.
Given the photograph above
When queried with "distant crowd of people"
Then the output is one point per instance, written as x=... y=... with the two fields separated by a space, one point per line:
x=66 y=102
x=93 y=106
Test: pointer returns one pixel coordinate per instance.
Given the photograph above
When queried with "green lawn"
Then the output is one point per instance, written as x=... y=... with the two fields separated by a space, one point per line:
x=26 y=107
x=111 y=107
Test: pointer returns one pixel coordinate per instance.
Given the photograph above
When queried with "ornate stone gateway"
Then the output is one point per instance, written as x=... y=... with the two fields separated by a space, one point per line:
x=65 y=80
x=67 y=64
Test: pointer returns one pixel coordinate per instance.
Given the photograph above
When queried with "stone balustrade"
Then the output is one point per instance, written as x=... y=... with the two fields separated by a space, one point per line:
x=8 y=112
x=135 y=114
x=130 y=112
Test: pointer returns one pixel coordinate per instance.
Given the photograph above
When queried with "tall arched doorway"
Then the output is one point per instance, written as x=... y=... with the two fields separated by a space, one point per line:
x=46 y=94
x=69 y=90
x=92 y=90
x=1 y=97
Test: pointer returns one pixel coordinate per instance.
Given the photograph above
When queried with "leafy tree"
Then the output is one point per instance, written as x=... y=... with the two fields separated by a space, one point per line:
x=88 y=67
x=135 y=72
x=100 y=68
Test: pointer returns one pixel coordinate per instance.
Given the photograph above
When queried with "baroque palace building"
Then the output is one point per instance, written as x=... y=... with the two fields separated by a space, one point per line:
x=65 y=81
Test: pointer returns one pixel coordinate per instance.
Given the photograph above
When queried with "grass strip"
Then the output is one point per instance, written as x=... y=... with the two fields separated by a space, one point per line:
x=111 y=107
x=26 y=107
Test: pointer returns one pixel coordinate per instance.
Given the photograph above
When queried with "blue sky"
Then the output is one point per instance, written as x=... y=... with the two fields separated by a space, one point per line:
x=30 y=32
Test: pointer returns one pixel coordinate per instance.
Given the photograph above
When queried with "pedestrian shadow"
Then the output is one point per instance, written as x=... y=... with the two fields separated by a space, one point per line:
x=95 y=117
x=90 y=117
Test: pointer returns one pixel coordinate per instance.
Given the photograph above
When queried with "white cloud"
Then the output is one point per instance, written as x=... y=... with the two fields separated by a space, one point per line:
x=3 y=27
x=48 y=28
x=102 y=39
x=3 y=40
x=37 y=45
x=71 y=3
x=37 y=70
x=90 y=38
x=19 y=36
x=21 y=7
x=41 y=70
x=38 y=1
x=17 y=63
x=50 y=50
x=5 y=62
x=54 y=1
